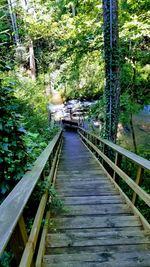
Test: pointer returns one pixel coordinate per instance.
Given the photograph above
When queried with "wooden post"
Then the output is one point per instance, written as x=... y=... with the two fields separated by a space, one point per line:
x=118 y=159
x=138 y=181
x=42 y=175
x=19 y=239
x=96 y=141
x=103 y=151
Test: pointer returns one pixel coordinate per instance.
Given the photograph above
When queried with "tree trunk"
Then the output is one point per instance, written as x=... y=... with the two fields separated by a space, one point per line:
x=25 y=5
x=32 y=60
x=11 y=5
x=112 y=87
x=73 y=8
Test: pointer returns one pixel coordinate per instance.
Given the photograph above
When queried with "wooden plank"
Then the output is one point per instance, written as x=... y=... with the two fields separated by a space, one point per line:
x=138 y=181
x=71 y=182
x=41 y=249
x=80 y=182
x=80 y=222
x=80 y=168
x=97 y=259
x=18 y=240
x=81 y=239
x=12 y=207
x=96 y=209
x=72 y=178
x=79 y=264
x=92 y=200
x=130 y=155
x=85 y=193
x=118 y=159
x=88 y=189
x=77 y=173
x=97 y=249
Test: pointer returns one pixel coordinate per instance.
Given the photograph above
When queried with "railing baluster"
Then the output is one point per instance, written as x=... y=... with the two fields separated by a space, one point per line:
x=103 y=151
x=118 y=159
x=138 y=181
x=19 y=239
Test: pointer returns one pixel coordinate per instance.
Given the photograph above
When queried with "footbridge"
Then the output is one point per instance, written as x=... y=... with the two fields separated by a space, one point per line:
x=98 y=224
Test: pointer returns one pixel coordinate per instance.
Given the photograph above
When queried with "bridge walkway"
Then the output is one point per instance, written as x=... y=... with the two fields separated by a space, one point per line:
x=96 y=227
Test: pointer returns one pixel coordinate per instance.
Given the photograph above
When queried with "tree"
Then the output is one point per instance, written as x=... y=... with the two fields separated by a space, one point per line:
x=12 y=13
x=112 y=87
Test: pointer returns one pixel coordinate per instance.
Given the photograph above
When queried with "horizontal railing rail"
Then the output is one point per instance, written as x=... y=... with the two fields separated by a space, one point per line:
x=99 y=146
x=12 y=222
x=128 y=154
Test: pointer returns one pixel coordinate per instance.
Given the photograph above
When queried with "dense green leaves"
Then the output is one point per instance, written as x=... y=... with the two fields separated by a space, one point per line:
x=13 y=154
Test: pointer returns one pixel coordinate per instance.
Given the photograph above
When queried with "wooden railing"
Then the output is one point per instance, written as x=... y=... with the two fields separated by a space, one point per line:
x=12 y=222
x=100 y=147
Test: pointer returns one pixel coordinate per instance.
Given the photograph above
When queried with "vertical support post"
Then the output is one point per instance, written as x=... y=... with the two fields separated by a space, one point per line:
x=43 y=175
x=19 y=239
x=103 y=151
x=118 y=159
x=96 y=142
x=138 y=181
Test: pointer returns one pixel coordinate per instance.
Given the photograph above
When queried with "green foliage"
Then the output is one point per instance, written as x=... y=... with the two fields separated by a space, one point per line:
x=127 y=107
x=13 y=152
x=5 y=259
x=24 y=129
x=56 y=205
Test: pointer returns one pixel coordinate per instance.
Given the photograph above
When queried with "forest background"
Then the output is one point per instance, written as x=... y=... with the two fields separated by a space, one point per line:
x=59 y=45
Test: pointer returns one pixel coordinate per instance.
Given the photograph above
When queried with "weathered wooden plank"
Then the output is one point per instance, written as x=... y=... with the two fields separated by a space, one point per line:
x=82 y=179
x=85 y=193
x=80 y=222
x=94 y=264
x=92 y=238
x=96 y=209
x=86 y=172
x=65 y=184
x=85 y=184
x=100 y=259
x=99 y=249
x=92 y=200
x=96 y=190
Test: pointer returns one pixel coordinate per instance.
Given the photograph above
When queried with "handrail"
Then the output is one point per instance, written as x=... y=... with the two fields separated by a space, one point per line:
x=12 y=207
x=130 y=155
x=91 y=141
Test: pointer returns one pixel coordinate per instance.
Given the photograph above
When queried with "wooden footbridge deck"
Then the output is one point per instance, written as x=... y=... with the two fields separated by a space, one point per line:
x=99 y=225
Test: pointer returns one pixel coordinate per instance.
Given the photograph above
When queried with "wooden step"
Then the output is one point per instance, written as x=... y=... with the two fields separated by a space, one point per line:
x=80 y=222
x=107 y=259
x=99 y=249
x=96 y=238
x=84 y=200
x=103 y=209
